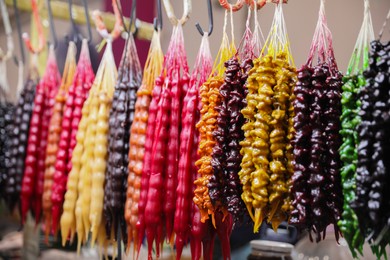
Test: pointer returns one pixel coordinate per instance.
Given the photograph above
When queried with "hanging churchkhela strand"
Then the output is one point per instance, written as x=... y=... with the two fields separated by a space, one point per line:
x=371 y=201
x=209 y=99
x=189 y=141
x=233 y=93
x=353 y=82
x=137 y=140
x=146 y=160
x=89 y=211
x=217 y=180
x=209 y=185
x=32 y=183
x=59 y=178
x=73 y=132
x=120 y=122
x=83 y=206
x=19 y=136
x=266 y=149
x=160 y=165
x=316 y=190
x=213 y=214
x=22 y=117
x=172 y=84
x=178 y=198
x=7 y=108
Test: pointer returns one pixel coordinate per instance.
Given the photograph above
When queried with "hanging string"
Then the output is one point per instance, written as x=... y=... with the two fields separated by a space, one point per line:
x=366 y=35
x=8 y=33
x=322 y=41
x=231 y=26
x=258 y=37
x=384 y=25
x=248 y=18
x=225 y=21
x=277 y=40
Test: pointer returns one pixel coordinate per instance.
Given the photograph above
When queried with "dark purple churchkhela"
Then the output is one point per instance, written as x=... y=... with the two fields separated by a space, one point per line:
x=120 y=121
x=317 y=168
x=300 y=215
x=6 y=114
x=233 y=188
x=332 y=126
x=19 y=137
x=316 y=189
x=218 y=162
x=224 y=186
x=372 y=199
x=246 y=66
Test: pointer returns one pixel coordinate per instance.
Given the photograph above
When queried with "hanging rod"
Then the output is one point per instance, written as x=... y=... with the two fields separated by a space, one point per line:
x=60 y=10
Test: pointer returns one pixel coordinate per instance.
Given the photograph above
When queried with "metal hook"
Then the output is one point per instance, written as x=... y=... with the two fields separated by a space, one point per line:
x=158 y=22
x=122 y=17
x=87 y=20
x=19 y=28
x=51 y=23
x=211 y=21
x=133 y=16
x=133 y=12
x=76 y=36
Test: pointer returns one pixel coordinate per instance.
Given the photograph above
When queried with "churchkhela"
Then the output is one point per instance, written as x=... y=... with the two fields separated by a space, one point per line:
x=266 y=149
x=353 y=82
x=316 y=183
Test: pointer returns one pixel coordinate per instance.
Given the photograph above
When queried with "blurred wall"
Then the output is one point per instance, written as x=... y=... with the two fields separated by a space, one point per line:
x=62 y=27
x=344 y=18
